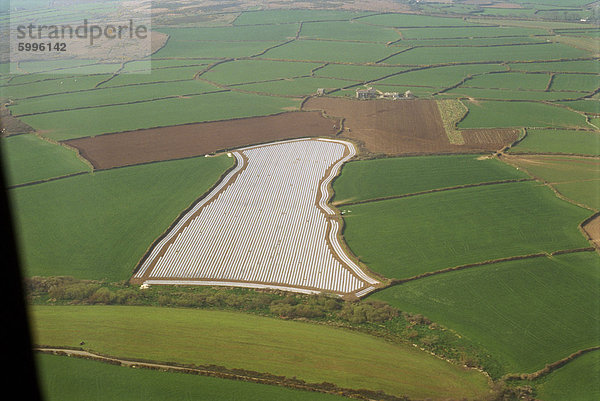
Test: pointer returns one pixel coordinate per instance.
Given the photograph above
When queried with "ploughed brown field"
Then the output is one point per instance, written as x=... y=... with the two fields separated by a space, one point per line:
x=188 y=140
x=404 y=127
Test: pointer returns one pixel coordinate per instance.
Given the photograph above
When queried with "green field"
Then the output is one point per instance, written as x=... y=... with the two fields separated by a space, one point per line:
x=424 y=55
x=561 y=66
x=321 y=50
x=245 y=71
x=157 y=113
x=68 y=379
x=510 y=80
x=560 y=141
x=348 y=31
x=380 y=178
x=287 y=16
x=576 y=82
x=469 y=32
x=576 y=178
x=28 y=158
x=490 y=114
x=99 y=225
x=578 y=380
x=110 y=96
x=503 y=94
x=356 y=72
x=235 y=340
x=405 y=237
x=295 y=87
x=526 y=313
x=440 y=76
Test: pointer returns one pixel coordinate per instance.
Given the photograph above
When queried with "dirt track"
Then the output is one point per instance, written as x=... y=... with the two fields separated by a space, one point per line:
x=179 y=141
x=403 y=126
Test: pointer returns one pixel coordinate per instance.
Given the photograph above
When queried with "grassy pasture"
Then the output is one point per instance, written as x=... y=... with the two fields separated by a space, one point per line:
x=472 y=41
x=414 y=21
x=378 y=178
x=510 y=80
x=290 y=16
x=320 y=50
x=236 y=340
x=526 y=313
x=424 y=56
x=578 y=380
x=295 y=87
x=243 y=71
x=591 y=106
x=158 y=75
x=511 y=94
x=68 y=379
x=68 y=67
x=560 y=141
x=491 y=114
x=212 y=49
x=99 y=225
x=86 y=122
x=348 y=31
x=574 y=177
x=575 y=82
x=28 y=158
x=267 y=33
x=401 y=238
x=355 y=72
x=42 y=84
x=440 y=76
x=590 y=66
x=110 y=95
x=469 y=32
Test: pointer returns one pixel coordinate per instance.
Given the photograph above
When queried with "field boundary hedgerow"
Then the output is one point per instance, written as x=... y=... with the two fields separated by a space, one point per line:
x=549 y=368
x=429 y=191
x=399 y=281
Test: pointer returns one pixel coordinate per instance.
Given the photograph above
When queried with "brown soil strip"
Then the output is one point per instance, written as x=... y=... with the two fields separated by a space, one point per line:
x=225 y=373
x=591 y=227
x=188 y=140
x=403 y=127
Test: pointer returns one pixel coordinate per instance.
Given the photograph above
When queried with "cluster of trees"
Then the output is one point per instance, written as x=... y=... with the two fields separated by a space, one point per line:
x=70 y=290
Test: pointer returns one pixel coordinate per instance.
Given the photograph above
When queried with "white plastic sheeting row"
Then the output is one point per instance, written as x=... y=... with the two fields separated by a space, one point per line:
x=265 y=228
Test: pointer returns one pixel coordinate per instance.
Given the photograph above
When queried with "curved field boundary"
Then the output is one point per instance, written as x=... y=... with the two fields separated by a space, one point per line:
x=262 y=234
x=550 y=367
x=225 y=373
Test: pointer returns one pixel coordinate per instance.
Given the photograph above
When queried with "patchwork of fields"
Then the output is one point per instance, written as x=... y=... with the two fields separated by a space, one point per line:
x=471 y=208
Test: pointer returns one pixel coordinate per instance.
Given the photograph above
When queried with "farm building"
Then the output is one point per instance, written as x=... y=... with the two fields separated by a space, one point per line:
x=365 y=94
x=391 y=95
x=320 y=91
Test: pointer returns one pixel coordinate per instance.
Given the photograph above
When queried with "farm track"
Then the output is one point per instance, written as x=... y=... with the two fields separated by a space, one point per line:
x=272 y=215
